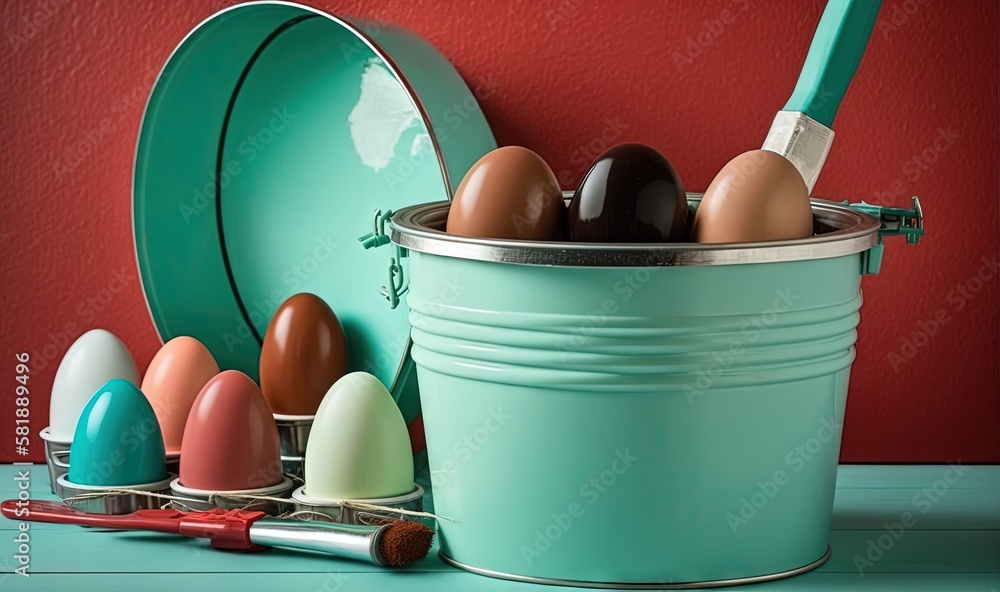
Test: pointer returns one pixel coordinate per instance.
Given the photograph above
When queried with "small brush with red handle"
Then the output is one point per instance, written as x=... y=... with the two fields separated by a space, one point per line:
x=397 y=543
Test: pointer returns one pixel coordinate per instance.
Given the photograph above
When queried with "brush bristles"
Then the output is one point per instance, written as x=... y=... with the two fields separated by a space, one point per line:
x=404 y=542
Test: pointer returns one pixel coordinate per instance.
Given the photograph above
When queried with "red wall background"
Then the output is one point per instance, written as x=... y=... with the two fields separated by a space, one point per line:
x=563 y=77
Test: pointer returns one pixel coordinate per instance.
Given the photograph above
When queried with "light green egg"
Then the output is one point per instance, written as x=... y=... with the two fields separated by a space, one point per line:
x=359 y=447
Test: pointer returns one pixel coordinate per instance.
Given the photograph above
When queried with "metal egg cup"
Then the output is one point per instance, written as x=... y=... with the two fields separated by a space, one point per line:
x=342 y=512
x=144 y=496
x=293 y=434
x=200 y=500
x=56 y=459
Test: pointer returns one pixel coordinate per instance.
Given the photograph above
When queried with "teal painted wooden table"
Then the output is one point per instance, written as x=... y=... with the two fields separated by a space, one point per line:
x=952 y=544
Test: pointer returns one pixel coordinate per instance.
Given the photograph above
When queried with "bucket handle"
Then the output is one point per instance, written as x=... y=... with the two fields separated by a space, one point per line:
x=397 y=285
x=892 y=222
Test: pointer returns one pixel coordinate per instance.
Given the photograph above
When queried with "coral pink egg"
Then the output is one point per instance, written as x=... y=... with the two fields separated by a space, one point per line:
x=231 y=440
x=172 y=382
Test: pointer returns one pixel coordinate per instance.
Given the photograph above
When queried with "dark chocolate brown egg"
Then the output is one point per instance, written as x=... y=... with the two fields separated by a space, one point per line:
x=303 y=354
x=631 y=194
x=510 y=193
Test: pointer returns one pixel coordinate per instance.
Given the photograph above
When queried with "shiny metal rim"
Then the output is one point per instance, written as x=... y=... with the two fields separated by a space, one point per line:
x=339 y=513
x=294 y=420
x=77 y=489
x=278 y=490
x=300 y=496
x=629 y=586
x=145 y=496
x=46 y=435
x=419 y=228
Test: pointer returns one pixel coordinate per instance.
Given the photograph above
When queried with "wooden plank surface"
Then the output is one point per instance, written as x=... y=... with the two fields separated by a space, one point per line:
x=463 y=582
x=954 y=545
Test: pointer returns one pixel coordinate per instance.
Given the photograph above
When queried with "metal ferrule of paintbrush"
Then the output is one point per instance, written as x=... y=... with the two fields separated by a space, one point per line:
x=801 y=139
x=344 y=540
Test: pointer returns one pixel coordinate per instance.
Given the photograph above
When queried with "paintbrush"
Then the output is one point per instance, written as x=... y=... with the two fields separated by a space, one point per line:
x=801 y=130
x=397 y=542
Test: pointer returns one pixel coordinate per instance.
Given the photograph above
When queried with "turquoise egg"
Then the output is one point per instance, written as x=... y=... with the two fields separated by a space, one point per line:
x=117 y=442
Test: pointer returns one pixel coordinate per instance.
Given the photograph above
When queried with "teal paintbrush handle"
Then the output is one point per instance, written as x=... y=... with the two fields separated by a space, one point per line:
x=833 y=58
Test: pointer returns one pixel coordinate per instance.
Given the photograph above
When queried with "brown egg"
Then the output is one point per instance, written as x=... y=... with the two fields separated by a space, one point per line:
x=758 y=196
x=631 y=194
x=303 y=354
x=510 y=193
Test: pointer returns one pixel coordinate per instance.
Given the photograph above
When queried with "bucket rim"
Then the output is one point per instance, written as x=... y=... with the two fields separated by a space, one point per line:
x=417 y=228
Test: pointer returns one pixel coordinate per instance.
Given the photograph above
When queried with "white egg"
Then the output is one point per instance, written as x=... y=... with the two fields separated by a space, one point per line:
x=95 y=357
x=359 y=446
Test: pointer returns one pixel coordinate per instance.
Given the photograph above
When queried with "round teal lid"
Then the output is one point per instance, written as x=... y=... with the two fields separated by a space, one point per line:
x=270 y=138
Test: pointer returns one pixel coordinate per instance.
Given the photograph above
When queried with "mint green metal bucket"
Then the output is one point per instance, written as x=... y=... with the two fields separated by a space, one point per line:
x=634 y=415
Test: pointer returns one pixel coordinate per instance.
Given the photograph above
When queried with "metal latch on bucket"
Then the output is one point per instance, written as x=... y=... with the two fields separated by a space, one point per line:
x=894 y=222
x=397 y=285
